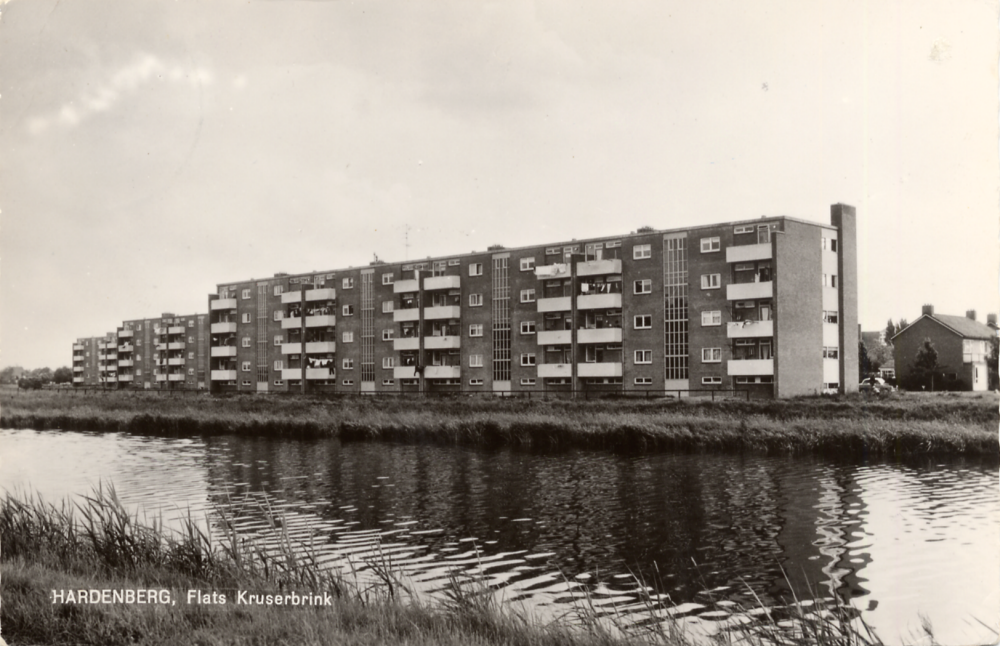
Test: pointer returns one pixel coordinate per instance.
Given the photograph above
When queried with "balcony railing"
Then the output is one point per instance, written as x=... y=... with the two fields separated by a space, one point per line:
x=604 y=369
x=748 y=252
x=554 y=337
x=599 y=301
x=442 y=372
x=124 y=334
x=311 y=347
x=411 y=314
x=224 y=327
x=550 y=272
x=175 y=329
x=224 y=351
x=223 y=304
x=177 y=345
x=176 y=361
x=599 y=267
x=557 y=304
x=77 y=368
x=749 y=367
x=126 y=347
x=749 y=291
x=218 y=375
x=407 y=343
x=77 y=380
x=442 y=312
x=554 y=370
x=442 y=282
x=442 y=342
x=177 y=376
x=749 y=329
x=406 y=286
x=600 y=335
x=404 y=372
x=125 y=363
x=78 y=346
x=124 y=377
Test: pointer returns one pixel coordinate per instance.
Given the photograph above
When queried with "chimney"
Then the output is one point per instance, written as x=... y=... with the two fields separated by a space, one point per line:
x=970 y=314
x=928 y=310
x=991 y=320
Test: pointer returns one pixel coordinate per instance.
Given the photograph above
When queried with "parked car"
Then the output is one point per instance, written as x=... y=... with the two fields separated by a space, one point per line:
x=875 y=385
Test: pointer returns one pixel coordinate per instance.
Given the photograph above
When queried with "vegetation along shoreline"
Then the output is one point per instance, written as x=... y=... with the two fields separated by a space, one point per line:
x=892 y=425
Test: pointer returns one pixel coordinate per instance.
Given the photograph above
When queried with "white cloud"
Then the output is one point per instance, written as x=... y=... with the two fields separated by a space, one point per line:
x=144 y=69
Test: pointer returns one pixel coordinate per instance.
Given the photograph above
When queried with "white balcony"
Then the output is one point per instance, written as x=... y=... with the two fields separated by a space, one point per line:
x=126 y=347
x=321 y=320
x=442 y=312
x=177 y=345
x=442 y=282
x=77 y=346
x=550 y=272
x=749 y=329
x=175 y=377
x=291 y=297
x=404 y=372
x=176 y=361
x=442 y=342
x=749 y=252
x=125 y=363
x=599 y=267
x=161 y=347
x=223 y=304
x=320 y=373
x=124 y=377
x=443 y=372
x=557 y=304
x=555 y=370
x=749 y=291
x=601 y=335
x=77 y=368
x=554 y=337
x=222 y=328
x=224 y=351
x=320 y=347
x=412 y=314
x=161 y=377
x=291 y=323
x=217 y=375
x=406 y=286
x=123 y=334
x=599 y=301
x=749 y=367
x=322 y=294
x=410 y=343
x=77 y=380
x=605 y=369
x=175 y=329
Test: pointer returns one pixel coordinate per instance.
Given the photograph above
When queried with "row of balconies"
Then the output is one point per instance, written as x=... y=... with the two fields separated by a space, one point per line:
x=324 y=294
x=431 y=283
x=441 y=312
x=293 y=322
x=450 y=342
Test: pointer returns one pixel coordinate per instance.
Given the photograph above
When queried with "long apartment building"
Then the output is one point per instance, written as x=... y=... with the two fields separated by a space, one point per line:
x=768 y=305
x=167 y=352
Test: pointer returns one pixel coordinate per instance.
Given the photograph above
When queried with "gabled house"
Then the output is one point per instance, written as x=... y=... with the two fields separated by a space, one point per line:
x=962 y=344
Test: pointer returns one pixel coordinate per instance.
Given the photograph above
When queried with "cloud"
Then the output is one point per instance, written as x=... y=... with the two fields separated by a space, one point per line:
x=144 y=69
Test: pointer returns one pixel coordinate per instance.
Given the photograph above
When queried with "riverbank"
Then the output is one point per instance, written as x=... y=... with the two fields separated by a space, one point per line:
x=895 y=425
x=52 y=557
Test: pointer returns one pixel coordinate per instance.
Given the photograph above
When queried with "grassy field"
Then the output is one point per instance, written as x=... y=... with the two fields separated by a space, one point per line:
x=96 y=545
x=898 y=424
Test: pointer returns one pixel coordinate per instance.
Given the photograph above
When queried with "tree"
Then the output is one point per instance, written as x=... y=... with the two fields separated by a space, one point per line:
x=890 y=331
x=63 y=375
x=927 y=374
x=44 y=375
x=879 y=355
x=864 y=364
x=10 y=374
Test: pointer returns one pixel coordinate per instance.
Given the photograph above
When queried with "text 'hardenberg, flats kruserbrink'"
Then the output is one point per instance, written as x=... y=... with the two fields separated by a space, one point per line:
x=164 y=597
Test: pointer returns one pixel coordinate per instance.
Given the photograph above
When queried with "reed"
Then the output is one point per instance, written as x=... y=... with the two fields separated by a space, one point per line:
x=854 y=425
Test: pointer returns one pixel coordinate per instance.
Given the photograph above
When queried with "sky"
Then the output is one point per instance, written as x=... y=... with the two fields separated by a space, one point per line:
x=149 y=151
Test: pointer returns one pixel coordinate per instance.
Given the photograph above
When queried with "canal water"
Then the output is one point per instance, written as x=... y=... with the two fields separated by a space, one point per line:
x=708 y=533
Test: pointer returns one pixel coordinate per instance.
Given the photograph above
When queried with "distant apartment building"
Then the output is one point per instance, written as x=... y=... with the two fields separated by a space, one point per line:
x=962 y=344
x=767 y=305
x=86 y=360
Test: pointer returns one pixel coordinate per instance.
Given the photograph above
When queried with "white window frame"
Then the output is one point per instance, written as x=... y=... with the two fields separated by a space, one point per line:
x=476 y=381
x=246 y=317
x=347 y=364
x=643 y=381
x=711 y=318
x=246 y=294
x=528 y=359
x=475 y=300
x=347 y=310
x=347 y=283
x=642 y=286
x=476 y=329
x=528 y=295
x=475 y=361
x=528 y=381
x=475 y=269
x=387 y=307
x=279 y=364
x=347 y=382
x=279 y=339
x=245 y=366
x=642 y=357
x=388 y=334
x=528 y=327
x=278 y=289
x=708 y=355
x=388 y=279
x=527 y=263
x=642 y=251
x=711 y=381
x=711 y=281
x=347 y=337
x=388 y=382
x=642 y=322
x=388 y=363
x=278 y=315
x=245 y=342
x=711 y=245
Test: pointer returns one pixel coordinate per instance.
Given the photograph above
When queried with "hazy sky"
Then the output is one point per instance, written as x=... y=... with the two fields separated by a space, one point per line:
x=149 y=150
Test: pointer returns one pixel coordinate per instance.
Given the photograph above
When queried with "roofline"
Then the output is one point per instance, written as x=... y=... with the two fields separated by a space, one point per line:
x=942 y=324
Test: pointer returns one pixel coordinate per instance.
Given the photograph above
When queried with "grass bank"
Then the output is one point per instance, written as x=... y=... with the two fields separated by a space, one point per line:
x=95 y=545
x=895 y=425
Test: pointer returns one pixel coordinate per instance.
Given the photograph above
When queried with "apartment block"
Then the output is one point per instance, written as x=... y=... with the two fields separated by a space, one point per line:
x=87 y=360
x=167 y=352
x=767 y=305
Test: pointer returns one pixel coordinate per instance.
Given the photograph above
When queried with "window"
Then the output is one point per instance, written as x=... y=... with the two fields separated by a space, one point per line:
x=710 y=244
x=138 y=342
x=246 y=317
x=832 y=386
x=642 y=322
x=711 y=381
x=475 y=269
x=138 y=328
x=347 y=364
x=347 y=382
x=138 y=372
x=711 y=281
x=278 y=314
x=642 y=251
x=386 y=307
x=831 y=352
x=191 y=323
x=246 y=382
x=475 y=361
x=246 y=294
x=712 y=317
x=830 y=316
x=190 y=371
x=387 y=335
x=711 y=355
x=190 y=339
x=824 y=242
x=348 y=337
x=475 y=382
x=348 y=283
x=190 y=355
x=347 y=310
x=833 y=280
x=527 y=295
x=245 y=367
x=388 y=362
x=527 y=382
x=278 y=339
x=644 y=286
x=743 y=229
x=643 y=381
x=833 y=245
x=246 y=342
x=388 y=279
x=278 y=289
x=476 y=329
x=279 y=382
x=643 y=356
x=527 y=327
x=528 y=359
x=475 y=300
x=279 y=364
x=528 y=264
x=388 y=382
